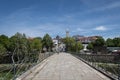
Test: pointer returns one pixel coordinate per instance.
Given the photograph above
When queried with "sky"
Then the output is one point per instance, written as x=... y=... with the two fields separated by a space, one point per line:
x=35 y=18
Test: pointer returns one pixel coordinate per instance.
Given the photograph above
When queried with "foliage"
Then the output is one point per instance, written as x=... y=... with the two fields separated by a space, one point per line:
x=4 y=40
x=99 y=42
x=47 y=42
x=72 y=45
x=36 y=44
x=78 y=46
x=20 y=46
x=116 y=42
x=2 y=50
x=4 y=45
x=109 y=42
x=113 y=68
x=99 y=45
x=69 y=43
x=113 y=42
x=90 y=46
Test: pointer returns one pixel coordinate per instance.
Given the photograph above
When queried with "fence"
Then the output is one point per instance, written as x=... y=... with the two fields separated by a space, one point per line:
x=108 y=64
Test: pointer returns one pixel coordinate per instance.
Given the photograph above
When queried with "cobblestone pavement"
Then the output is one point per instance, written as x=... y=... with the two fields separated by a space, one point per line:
x=63 y=66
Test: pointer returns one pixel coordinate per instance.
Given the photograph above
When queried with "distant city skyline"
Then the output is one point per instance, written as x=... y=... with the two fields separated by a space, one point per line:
x=81 y=17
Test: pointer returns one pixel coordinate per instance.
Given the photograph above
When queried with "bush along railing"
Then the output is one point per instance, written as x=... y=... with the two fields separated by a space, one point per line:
x=108 y=64
x=20 y=64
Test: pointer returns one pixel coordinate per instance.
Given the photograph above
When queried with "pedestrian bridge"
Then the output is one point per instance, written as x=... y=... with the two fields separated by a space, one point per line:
x=62 y=66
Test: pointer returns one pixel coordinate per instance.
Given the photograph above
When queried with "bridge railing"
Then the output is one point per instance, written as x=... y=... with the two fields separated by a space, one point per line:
x=108 y=64
x=10 y=71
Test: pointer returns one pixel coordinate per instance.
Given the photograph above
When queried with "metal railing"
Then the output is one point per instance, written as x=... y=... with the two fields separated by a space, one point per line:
x=107 y=64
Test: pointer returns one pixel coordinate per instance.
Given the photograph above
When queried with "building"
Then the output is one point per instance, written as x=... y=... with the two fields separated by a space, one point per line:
x=55 y=42
x=85 y=40
x=76 y=37
x=58 y=45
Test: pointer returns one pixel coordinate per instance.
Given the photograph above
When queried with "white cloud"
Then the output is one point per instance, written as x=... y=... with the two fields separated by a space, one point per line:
x=100 y=28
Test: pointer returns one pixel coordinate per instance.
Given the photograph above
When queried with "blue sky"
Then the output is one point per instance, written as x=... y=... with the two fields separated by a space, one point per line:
x=38 y=17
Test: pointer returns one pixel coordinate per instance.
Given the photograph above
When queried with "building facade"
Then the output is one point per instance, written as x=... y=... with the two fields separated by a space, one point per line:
x=86 y=40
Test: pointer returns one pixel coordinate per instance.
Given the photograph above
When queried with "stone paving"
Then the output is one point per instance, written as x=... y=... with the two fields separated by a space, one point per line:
x=63 y=66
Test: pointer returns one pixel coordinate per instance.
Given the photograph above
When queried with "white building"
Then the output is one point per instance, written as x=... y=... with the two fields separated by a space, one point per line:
x=55 y=41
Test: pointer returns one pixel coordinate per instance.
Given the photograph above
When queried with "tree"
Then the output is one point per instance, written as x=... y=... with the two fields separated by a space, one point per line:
x=79 y=46
x=69 y=42
x=72 y=45
x=113 y=42
x=116 y=42
x=19 y=46
x=47 y=42
x=99 y=42
x=18 y=41
x=4 y=40
x=36 y=44
x=109 y=42
x=90 y=46
x=2 y=53
x=99 y=45
x=2 y=50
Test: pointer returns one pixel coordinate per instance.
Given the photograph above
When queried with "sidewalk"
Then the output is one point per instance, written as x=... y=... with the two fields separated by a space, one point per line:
x=64 y=66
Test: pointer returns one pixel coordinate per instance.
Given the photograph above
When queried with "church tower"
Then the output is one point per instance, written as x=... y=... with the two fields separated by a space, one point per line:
x=67 y=33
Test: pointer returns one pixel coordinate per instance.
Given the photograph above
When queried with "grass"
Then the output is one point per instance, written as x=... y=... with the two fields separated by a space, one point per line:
x=6 y=76
x=6 y=70
x=112 y=68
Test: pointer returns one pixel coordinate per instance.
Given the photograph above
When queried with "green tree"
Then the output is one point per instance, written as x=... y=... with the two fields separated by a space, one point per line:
x=99 y=42
x=116 y=42
x=90 y=46
x=69 y=42
x=36 y=44
x=47 y=42
x=18 y=45
x=109 y=42
x=79 y=46
x=4 y=40
x=2 y=53
x=2 y=50
x=99 y=45
x=72 y=45
x=18 y=41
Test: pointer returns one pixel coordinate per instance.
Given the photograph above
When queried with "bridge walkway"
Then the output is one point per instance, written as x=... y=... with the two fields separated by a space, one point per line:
x=62 y=66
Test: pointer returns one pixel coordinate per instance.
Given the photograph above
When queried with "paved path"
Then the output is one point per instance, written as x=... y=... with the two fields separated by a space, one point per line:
x=63 y=66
